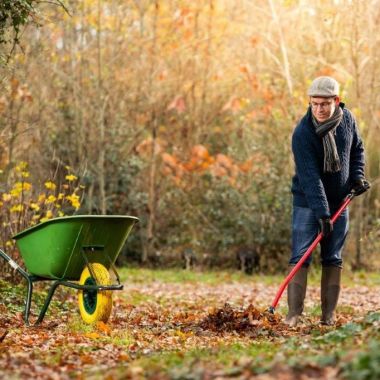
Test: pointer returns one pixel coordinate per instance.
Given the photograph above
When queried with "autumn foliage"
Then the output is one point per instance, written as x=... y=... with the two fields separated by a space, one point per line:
x=181 y=113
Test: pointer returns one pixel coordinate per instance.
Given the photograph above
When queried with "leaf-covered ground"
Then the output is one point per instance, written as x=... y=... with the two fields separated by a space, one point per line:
x=184 y=325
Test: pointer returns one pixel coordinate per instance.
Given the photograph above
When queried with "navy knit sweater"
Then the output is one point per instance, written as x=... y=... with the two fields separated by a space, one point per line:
x=311 y=187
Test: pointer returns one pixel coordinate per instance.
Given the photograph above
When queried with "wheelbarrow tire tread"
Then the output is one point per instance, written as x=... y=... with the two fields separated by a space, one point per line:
x=100 y=301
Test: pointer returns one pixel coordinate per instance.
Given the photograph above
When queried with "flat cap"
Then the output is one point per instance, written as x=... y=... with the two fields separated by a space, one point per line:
x=324 y=87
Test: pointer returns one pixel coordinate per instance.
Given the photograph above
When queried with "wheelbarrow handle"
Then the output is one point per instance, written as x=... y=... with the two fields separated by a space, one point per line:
x=13 y=264
x=29 y=280
x=305 y=256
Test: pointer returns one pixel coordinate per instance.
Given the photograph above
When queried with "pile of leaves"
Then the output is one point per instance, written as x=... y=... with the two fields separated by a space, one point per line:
x=250 y=319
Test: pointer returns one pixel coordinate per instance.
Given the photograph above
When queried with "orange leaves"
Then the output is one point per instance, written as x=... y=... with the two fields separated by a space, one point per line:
x=255 y=40
x=247 y=165
x=3 y=104
x=20 y=92
x=16 y=92
x=169 y=160
x=326 y=71
x=268 y=95
x=86 y=359
x=241 y=104
x=103 y=327
x=249 y=320
x=234 y=104
x=257 y=164
x=92 y=335
x=245 y=68
x=218 y=75
x=172 y=167
x=219 y=166
x=200 y=151
x=178 y=104
x=251 y=77
x=200 y=159
x=162 y=75
x=225 y=167
x=184 y=18
x=145 y=147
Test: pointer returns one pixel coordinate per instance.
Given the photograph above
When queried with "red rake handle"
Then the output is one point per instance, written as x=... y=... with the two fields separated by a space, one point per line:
x=307 y=254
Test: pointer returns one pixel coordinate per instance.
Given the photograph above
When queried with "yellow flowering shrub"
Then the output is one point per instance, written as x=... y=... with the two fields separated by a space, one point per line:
x=71 y=177
x=24 y=204
x=50 y=185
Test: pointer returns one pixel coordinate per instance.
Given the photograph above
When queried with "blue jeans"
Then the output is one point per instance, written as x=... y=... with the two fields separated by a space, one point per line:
x=305 y=230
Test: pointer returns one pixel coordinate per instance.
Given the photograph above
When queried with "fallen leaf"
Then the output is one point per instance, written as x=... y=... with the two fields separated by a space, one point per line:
x=103 y=327
x=92 y=335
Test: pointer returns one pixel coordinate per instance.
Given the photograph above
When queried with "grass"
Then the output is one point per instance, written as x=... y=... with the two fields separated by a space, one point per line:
x=136 y=298
x=364 y=278
x=215 y=277
x=179 y=275
x=12 y=296
x=179 y=363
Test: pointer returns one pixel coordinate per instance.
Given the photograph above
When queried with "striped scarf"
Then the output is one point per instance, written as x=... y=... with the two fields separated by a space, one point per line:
x=326 y=131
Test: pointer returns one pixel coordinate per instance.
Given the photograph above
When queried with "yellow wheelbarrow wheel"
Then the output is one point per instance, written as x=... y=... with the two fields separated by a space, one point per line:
x=95 y=305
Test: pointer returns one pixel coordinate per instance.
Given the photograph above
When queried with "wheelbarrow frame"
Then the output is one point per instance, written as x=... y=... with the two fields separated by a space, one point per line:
x=60 y=249
x=31 y=279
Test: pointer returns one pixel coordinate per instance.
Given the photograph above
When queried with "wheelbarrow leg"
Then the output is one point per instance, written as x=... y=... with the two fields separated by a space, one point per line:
x=28 y=301
x=47 y=301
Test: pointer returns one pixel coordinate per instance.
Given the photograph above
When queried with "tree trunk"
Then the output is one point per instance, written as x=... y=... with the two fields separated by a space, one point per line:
x=101 y=127
x=152 y=195
x=148 y=250
x=284 y=50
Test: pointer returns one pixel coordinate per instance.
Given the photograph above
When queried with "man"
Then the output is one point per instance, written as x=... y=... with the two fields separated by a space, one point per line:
x=329 y=163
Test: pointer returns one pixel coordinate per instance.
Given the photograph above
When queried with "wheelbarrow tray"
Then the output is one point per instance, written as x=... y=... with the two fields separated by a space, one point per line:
x=53 y=249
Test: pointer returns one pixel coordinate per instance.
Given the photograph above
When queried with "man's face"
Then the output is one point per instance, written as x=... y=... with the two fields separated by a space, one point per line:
x=323 y=108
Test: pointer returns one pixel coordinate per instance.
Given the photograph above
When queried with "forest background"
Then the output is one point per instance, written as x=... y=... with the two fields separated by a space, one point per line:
x=180 y=113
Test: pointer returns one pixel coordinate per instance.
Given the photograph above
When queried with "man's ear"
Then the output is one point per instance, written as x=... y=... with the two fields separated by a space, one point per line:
x=337 y=100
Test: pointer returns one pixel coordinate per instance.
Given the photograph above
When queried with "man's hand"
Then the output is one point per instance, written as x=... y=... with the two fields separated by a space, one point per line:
x=360 y=186
x=326 y=226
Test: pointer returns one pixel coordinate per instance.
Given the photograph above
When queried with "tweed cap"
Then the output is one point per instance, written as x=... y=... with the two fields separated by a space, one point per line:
x=324 y=87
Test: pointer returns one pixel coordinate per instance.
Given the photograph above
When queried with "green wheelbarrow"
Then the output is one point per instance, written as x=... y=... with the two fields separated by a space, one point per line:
x=78 y=252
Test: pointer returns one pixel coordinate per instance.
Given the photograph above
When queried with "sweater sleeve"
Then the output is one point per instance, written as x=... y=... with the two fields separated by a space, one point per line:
x=357 y=154
x=308 y=173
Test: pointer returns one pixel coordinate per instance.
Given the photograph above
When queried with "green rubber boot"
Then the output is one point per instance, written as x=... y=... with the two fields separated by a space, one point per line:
x=296 y=296
x=330 y=289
